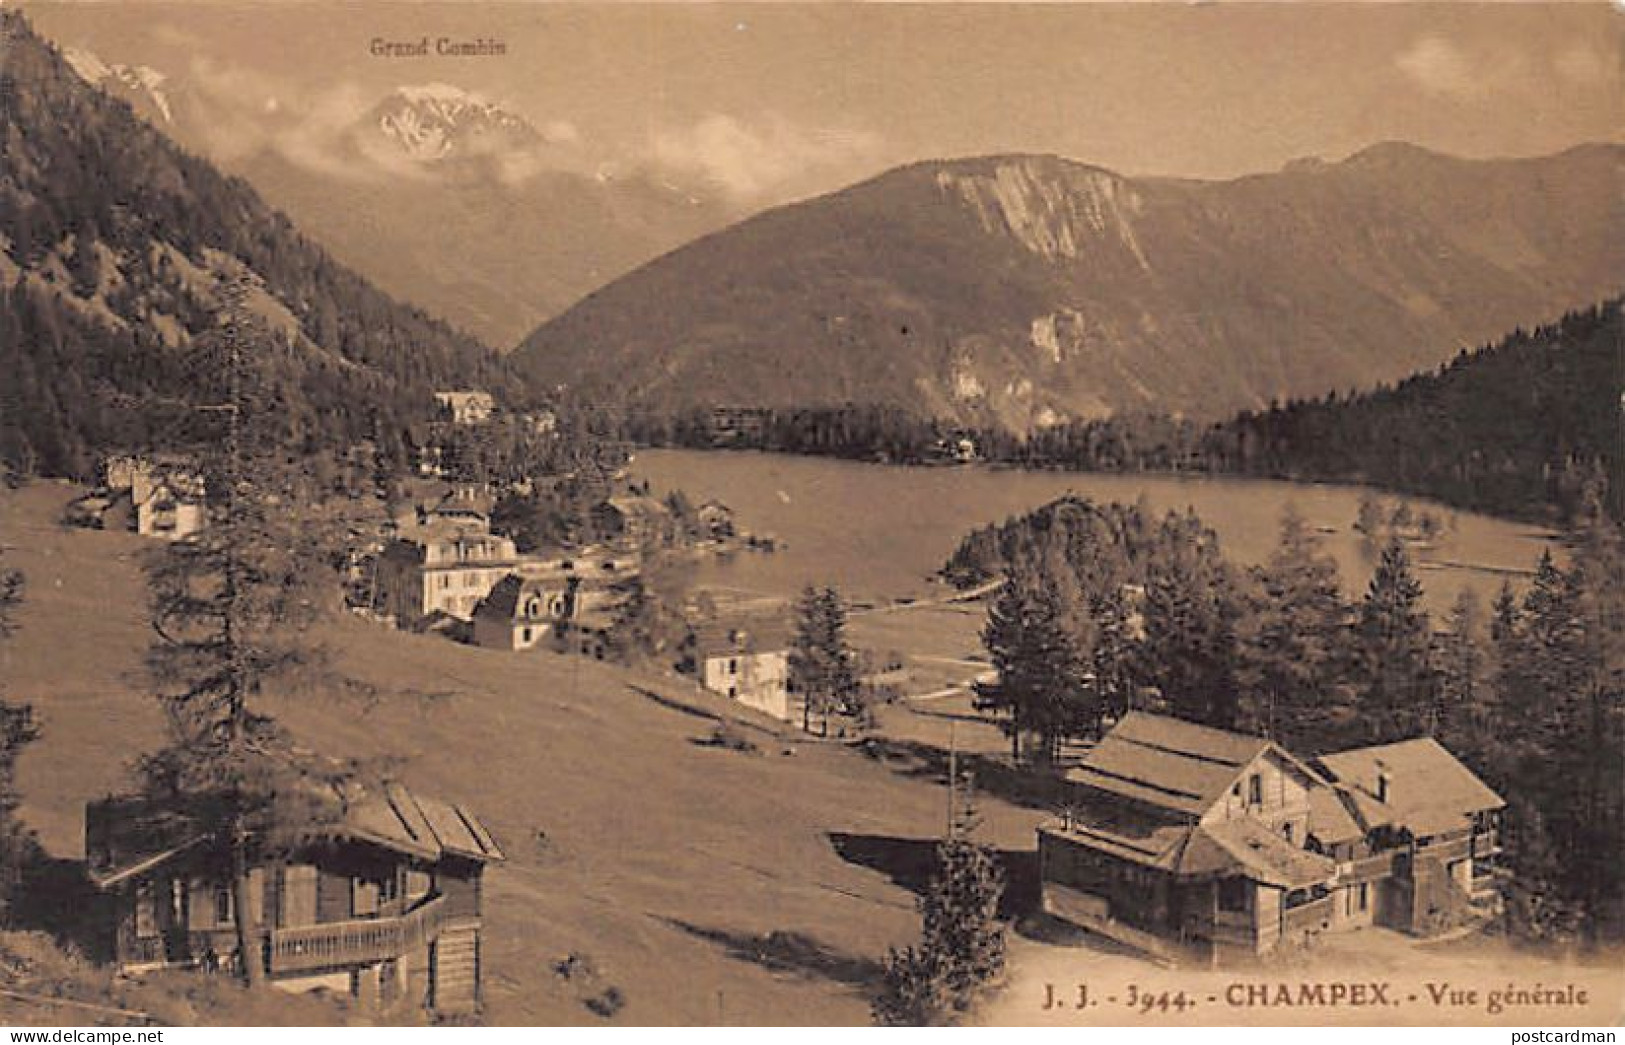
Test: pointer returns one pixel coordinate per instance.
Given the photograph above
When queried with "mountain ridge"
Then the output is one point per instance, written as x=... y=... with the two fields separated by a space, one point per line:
x=1029 y=289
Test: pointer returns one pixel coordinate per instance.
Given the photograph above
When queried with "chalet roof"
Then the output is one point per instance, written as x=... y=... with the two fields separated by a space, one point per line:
x=1429 y=790
x=1330 y=818
x=1241 y=846
x=1265 y=856
x=633 y=505
x=1170 y=763
x=138 y=835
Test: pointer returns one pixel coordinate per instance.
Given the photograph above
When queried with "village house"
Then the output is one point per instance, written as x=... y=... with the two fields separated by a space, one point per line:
x=441 y=570
x=632 y=520
x=160 y=497
x=569 y=595
x=521 y=611
x=1196 y=844
x=748 y=659
x=376 y=895
x=465 y=407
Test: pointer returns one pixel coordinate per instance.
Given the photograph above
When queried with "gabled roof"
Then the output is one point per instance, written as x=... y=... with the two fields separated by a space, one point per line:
x=1264 y=856
x=765 y=633
x=1172 y=764
x=138 y=835
x=1241 y=846
x=1429 y=790
x=1330 y=818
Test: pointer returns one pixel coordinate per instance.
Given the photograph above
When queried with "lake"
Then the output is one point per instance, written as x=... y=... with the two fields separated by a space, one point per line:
x=878 y=532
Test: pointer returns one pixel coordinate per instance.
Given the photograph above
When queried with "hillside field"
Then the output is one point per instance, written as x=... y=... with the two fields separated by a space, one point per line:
x=707 y=885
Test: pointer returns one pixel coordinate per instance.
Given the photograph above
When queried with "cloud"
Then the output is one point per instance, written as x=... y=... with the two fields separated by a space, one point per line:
x=1440 y=67
x=761 y=158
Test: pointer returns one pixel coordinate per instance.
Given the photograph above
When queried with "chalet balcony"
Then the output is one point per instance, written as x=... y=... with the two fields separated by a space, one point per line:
x=332 y=945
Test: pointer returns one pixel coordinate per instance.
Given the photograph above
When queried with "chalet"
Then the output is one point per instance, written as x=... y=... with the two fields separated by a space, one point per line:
x=376 y=895
x=1193 y=843
x=1420 y=841
x=521 y=611
x=748 y=659
x=160 y=497
x=442 y=570
x=632 y=520
x=465 y=407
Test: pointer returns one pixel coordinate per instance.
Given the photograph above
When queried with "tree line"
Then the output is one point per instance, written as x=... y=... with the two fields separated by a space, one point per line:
x=1521 y=428
x=1107 y=608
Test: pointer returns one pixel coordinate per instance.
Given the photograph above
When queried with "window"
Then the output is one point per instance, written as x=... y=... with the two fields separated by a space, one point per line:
x=1255 y=790
x=733 y=666
x=222 y=905
x=1365 y=895
x=524 y=636
x=1286 y=831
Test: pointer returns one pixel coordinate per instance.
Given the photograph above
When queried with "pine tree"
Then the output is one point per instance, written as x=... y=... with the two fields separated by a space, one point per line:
x=1291 y=637
x=230 y=607
x=1189 y=653
x=913 y=990
x=1394 y=667
x=822 y=664
x=1461 y=714
x=960 y=917
x=1038 y=641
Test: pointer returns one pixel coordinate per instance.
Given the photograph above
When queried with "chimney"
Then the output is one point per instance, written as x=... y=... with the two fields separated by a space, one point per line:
x=1384 y=783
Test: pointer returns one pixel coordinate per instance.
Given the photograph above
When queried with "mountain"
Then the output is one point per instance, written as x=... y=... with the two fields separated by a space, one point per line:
x=1029 y=289
x=439 y=195
x=117 y=245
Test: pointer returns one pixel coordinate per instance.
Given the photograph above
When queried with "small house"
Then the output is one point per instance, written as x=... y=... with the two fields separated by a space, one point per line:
x=748 y=660
x=632 y=519
x=374 y=894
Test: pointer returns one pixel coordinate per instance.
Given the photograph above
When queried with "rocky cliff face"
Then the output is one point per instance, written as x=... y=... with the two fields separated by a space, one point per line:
x=1028 y=289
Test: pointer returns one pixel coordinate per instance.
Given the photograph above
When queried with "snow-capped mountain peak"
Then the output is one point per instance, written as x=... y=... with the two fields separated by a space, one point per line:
x=438 y=120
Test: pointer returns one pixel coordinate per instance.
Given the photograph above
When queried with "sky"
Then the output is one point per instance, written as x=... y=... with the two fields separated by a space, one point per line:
x=775 y=101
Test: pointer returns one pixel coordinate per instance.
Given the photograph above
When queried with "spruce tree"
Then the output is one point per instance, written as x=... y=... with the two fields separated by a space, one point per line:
x=1461 y=714
x=823 y=666
x=1188 y=653
x=1291 y=637
x=1394 y=667
x=230 y=607
x=1038 y=640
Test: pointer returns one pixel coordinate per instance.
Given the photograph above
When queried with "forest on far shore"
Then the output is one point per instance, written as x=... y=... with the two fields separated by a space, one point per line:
x=1518 y=429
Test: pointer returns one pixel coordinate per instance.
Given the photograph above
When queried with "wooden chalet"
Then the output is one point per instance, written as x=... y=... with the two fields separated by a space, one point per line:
x=1196 y=844
x=376 y=895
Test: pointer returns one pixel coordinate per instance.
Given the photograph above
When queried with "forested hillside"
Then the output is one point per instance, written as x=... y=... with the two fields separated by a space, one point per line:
x=116 y=248
x=1516 y=428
